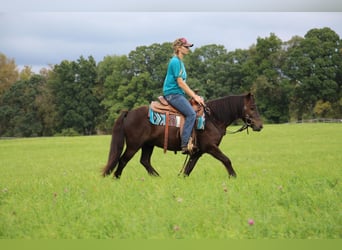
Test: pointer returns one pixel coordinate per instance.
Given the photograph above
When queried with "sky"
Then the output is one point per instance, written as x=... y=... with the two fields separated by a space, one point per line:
x=48 y=34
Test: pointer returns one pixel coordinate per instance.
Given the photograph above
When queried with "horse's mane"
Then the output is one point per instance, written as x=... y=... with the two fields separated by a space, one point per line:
x=228 y=108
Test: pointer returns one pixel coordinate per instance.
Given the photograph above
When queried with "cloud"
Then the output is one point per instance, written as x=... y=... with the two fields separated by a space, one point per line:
x=41 y=38
x=175 y=5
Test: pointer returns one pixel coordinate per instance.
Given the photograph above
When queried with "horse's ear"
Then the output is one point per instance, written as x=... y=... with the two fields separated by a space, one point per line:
x=249 y=95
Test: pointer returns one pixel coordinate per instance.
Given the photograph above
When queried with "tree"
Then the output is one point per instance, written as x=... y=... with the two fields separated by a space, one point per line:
x=8 y=73
x=322 y=109
x=295 y=79
x=270 y=86
x=313 y=66
x=209 y=66
x=116 y=72
x=26 y=73
x=241 y=70
x=73 y=85
x=25 y=109
x=149 y=65
x=134 y=80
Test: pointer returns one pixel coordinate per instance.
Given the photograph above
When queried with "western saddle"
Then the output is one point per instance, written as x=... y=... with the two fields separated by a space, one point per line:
x=163 y=107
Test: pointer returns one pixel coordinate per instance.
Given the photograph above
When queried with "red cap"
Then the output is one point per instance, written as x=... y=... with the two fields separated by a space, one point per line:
x=185 y=42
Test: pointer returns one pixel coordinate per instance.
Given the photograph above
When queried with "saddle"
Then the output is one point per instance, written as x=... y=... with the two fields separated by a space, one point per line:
x=162 y=113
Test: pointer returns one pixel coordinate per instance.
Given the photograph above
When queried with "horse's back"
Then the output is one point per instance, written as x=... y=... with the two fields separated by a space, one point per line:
x=137 y=119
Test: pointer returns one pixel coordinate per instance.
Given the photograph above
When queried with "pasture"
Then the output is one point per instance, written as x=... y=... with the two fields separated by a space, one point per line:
x=288 y=186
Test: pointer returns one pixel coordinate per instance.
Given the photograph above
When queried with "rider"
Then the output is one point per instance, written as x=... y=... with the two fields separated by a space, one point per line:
x=175 y=88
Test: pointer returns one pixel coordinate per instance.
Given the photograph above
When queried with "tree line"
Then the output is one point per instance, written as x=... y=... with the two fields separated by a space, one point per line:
x=292 y=80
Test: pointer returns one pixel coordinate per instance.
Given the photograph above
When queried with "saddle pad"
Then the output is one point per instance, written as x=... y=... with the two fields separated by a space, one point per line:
x=159 y=119
x=200 y=122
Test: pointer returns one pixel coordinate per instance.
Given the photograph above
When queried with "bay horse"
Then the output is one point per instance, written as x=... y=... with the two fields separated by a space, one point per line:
x=134 y=128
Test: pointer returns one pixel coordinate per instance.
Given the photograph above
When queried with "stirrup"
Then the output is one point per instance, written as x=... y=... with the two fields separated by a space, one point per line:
x=190 y=145
x=190 y=148
x=185 y=150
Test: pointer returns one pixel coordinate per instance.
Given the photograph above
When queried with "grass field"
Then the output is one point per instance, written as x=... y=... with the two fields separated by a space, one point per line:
x=288 y=186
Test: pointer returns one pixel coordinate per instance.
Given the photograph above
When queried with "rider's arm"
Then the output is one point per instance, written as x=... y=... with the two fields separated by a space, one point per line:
x=183 y=85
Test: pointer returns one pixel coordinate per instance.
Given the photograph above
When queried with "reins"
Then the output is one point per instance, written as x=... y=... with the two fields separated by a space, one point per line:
x=184 y=164
x=244 y=127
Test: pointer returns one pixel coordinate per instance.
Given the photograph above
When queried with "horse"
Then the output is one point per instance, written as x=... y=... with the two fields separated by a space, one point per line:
x=134 y=128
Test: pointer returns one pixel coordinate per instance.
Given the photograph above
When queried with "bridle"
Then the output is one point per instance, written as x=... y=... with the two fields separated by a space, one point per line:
x=247 y=123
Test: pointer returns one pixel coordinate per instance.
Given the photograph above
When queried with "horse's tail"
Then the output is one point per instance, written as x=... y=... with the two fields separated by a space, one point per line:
x=116 y=145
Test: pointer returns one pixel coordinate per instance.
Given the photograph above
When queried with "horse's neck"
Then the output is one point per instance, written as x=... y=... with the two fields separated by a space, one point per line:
x=236 y=107
x=230 y=110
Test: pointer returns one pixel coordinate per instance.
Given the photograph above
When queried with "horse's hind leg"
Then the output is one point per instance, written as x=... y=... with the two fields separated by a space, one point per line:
x=124 y=159
x=145 y=160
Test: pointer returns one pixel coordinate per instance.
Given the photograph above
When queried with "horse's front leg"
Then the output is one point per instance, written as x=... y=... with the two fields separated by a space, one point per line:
x=217 y=153
x=191 y=163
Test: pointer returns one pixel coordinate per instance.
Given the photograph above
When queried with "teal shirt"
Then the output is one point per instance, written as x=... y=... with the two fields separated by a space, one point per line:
x=175 y=69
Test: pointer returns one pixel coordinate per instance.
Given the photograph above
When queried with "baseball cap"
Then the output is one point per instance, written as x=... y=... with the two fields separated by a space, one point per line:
x=185 y=42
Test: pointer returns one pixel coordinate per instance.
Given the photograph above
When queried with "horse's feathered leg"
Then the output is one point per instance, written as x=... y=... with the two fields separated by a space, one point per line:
x=216 y=152
x=191 y=163
x=116 y=145
x=145 y=159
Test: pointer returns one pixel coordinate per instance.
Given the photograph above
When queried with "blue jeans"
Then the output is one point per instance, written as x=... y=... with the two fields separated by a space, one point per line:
x=183 y=105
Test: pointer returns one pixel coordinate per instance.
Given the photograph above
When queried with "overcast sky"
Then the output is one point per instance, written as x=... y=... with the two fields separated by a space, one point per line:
x=43 y=36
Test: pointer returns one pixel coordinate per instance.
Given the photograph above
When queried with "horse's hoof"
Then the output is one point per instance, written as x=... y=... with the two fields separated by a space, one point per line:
x=232 y=175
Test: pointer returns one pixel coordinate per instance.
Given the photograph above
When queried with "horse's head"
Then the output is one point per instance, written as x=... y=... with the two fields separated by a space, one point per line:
x=251 y=114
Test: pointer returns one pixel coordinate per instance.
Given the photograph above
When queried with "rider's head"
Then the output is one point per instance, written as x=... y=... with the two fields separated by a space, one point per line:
x=179 y=43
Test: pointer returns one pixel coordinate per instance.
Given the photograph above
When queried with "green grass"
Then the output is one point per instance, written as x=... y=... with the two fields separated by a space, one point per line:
x=289 y=183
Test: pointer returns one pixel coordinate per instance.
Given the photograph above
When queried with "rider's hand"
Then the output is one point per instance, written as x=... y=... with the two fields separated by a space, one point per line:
x=199 y=100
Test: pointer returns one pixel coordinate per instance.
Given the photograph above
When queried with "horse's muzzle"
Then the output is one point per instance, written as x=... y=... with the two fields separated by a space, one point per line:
x=257 y=127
